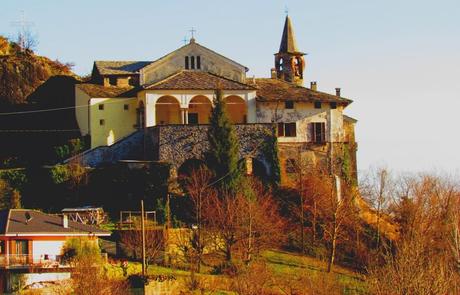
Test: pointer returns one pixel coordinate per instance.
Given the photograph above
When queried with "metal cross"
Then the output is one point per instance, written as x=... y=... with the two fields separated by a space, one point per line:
x=286 y=10
x=22 y=22
x=192 y=31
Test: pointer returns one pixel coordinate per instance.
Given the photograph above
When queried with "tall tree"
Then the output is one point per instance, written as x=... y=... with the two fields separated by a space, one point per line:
x=223 y=153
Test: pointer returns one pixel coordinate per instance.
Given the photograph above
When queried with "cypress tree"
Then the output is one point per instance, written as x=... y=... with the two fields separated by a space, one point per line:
x=223 y=154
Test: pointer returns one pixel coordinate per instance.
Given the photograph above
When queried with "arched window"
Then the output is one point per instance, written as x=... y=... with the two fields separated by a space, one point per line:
x=186 y=63
x=192 y=62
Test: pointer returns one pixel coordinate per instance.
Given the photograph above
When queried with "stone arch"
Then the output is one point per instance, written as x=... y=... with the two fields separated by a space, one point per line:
x=167 y=111
x=237 y=109
x=199 y=110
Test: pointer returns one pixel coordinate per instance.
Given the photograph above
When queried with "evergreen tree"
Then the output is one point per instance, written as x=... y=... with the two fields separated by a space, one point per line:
x=223 y=154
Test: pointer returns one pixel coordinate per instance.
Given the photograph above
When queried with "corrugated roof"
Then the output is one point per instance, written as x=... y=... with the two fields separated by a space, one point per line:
x=275 y=90
x=24 y=221
x=198 y=80
x=120 y=67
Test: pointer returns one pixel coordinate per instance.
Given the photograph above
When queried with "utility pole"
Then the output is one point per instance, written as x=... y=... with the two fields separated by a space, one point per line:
x=143 y=237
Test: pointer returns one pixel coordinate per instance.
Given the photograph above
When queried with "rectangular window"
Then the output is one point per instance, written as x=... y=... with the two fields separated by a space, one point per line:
x=102 y=122
x=192 y=118
x=287 y=129
x=22 y=247
x=333 y=105
x=317 y=104
x=186 y=63
x=126 y=107
x=101 y=107
x=113 y=81
x=288 y=104
x=192 y=62
x=198 y=62
x=318 y=132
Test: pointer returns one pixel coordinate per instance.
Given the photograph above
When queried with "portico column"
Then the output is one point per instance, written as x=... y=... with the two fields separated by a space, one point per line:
x=182 y=116
x=186 y=116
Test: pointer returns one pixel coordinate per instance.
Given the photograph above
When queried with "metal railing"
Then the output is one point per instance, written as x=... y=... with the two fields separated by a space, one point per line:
x=14 y=260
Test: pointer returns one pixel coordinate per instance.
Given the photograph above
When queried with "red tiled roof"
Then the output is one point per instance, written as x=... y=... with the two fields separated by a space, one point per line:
x=100 y=91
x=275 y=90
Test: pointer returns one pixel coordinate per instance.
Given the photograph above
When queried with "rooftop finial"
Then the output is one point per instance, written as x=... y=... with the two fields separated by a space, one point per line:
x=286 y=10
x=192 y=40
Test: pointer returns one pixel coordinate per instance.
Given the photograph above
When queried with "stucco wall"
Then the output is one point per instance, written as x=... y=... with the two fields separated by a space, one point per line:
x=303 y=114
x=118 y=122
x=51 y=248
x=210 y=62
x=81 y=110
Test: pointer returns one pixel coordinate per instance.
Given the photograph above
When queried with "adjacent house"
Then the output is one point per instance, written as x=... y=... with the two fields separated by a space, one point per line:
x=31 y=244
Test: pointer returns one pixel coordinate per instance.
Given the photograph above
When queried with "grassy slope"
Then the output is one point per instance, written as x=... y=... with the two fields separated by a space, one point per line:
x=283 y=265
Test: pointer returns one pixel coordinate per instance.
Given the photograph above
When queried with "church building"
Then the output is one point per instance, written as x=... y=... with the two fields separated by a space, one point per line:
x=174 y=94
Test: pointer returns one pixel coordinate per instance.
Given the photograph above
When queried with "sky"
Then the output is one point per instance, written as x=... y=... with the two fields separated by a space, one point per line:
x=399 y=60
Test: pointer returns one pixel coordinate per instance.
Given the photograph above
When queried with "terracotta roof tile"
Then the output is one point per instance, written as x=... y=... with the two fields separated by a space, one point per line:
x=99 y=91
x=120 y=67
x=275 y=90
x=198 y=80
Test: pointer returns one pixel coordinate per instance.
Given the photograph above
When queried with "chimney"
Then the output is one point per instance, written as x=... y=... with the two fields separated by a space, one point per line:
x=313 y=86
x=337 y=92
x=273 y=73
x=65 y=221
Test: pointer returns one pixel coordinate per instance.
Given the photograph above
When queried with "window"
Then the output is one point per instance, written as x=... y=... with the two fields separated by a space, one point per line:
x=22 y=247
x=288 y=104
x=193 y=118
x=317 y=104
x=126 y=107
x=102 y=122
x=318 y=132
x=192 y=62
x=290 y=166
x=113 y=81
x=287 y=129
x=186 y=63
x=333 y=105
x=198 y=62
x=101 y=107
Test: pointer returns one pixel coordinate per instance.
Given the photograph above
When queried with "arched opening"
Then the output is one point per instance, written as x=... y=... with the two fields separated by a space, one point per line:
x=199 y=110
x=236 y=109
x=140 y=116
x=167 y=111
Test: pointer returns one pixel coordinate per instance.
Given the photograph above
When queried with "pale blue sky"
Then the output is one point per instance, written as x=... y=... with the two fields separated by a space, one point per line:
x=399 y=60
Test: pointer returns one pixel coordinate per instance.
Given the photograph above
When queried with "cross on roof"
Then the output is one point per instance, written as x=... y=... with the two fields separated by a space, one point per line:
x=185 y=40
x=286 y=10
x=192 y=31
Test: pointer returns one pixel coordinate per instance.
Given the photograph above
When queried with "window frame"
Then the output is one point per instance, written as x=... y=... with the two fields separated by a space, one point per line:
x=318 y=132
x=289 y=104
x=101 y=122
x=101 y=107
x=187 y=63
x=317 y=105
x=198 y=62
x=287 y=129
x=333 y=105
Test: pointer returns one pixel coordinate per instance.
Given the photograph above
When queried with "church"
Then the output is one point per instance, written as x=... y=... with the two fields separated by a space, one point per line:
x=163 y=106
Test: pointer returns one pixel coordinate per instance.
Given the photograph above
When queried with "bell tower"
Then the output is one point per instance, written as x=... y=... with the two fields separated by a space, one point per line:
x=289 y=61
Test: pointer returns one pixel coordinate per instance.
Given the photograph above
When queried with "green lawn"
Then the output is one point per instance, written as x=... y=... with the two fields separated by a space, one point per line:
x=282 y=264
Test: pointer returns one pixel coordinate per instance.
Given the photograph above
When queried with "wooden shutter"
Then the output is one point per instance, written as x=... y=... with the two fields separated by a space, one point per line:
x=280 y=129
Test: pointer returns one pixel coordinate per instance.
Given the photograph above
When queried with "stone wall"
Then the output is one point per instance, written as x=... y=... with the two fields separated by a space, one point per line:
x=177 y=143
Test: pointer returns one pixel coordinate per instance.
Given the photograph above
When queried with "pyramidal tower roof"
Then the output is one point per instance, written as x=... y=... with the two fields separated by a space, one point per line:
x=288 y=43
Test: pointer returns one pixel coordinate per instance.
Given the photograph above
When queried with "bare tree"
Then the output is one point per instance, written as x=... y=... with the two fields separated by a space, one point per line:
x=154 y=242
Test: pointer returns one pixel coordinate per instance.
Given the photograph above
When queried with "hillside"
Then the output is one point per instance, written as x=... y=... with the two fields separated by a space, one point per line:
x=29 y=82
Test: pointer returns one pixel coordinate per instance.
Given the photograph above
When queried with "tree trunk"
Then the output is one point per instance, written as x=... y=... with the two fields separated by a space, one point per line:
x=332 y=252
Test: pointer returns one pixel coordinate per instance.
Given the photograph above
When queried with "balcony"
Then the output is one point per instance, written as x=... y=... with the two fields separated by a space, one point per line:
x=26 y=260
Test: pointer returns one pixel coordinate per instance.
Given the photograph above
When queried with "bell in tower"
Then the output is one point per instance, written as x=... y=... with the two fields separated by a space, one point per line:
x=289 y=61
